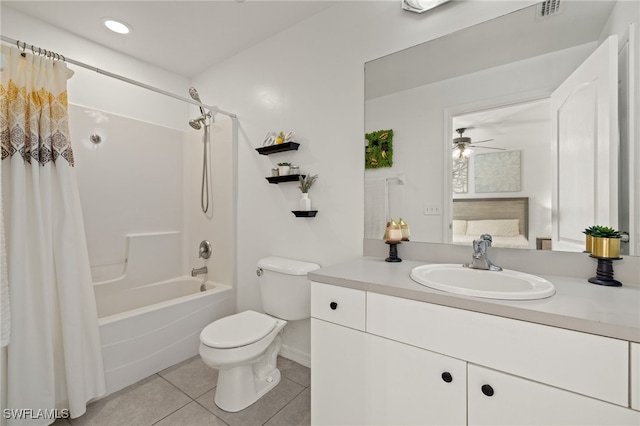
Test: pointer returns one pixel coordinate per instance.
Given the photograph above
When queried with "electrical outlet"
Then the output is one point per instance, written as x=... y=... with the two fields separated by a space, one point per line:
x=431 y=209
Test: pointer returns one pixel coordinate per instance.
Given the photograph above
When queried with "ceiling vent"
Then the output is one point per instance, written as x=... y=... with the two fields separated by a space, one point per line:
x=548 y=8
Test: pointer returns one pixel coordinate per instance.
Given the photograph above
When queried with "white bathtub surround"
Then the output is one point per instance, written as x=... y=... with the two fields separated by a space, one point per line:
x=54 y=357
x=158 y=326
x=151 y=316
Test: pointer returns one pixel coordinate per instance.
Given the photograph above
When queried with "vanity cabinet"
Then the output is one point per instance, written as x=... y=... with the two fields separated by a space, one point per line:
x=379 y=359
x=496 y=398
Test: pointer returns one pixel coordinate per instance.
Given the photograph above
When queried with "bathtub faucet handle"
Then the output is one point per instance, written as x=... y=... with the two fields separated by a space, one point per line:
x=204 y=250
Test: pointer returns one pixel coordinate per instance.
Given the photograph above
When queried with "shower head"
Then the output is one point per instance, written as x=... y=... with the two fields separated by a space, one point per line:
x=196 y=97
x=194 y=94
x=195 y=123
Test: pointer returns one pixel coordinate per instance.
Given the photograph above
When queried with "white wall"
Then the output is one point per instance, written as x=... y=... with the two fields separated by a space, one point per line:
x=310 y=79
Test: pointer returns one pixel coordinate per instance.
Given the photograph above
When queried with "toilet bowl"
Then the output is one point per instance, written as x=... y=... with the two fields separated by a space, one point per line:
x=244 y=347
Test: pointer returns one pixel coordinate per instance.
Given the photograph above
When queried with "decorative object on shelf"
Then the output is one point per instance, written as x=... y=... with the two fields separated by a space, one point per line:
x=379 y=149
x=404 y=229
x=275 y=172
x=283 y=168
x=604 y=245
x=305 y=213
x=271 y=138
x=294 y=169
x=306 y=182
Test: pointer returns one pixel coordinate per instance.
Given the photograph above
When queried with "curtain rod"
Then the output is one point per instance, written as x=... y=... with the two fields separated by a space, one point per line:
x=24 y=46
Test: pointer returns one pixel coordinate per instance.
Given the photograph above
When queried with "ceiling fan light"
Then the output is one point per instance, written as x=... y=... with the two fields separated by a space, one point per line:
x=456 y=153
x=467 y=152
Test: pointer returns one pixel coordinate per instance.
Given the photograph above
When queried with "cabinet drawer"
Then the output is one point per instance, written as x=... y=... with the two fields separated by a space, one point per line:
x=340 y=305
x=584 y=363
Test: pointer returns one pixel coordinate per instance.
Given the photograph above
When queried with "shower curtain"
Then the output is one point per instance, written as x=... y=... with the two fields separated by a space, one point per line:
x=54 y=354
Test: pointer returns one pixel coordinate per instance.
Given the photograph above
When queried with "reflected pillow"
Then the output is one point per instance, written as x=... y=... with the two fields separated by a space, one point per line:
x=497 y=228
x=459 y=227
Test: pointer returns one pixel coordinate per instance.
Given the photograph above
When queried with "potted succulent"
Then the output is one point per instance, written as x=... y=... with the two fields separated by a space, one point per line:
x=606 y=241
x=588 y=232
x=306 y=183
x=283 y=168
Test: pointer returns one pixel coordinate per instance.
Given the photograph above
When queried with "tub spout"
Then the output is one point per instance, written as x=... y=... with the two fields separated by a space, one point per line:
x=197 y=271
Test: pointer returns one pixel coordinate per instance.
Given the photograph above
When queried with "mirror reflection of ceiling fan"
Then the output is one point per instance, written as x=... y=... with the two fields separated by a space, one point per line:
x=462 y=145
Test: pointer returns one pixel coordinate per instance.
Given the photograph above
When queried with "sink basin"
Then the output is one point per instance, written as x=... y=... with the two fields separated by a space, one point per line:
x=506 y=284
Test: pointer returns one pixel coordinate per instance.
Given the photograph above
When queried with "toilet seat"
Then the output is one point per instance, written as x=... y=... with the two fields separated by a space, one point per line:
x=237 y=330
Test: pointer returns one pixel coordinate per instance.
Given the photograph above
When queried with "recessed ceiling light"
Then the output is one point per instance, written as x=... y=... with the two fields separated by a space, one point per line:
x=116 y=26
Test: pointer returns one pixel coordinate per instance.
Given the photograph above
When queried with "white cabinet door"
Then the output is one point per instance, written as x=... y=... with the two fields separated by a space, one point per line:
x=338 y=377
x=496 y=398
x=412 y=386
x=361 y=379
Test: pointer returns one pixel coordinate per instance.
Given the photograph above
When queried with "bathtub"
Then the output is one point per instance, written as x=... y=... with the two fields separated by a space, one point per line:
x=147 y=328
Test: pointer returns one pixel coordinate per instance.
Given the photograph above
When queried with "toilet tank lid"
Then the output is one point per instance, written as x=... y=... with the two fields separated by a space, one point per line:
x=287 y=266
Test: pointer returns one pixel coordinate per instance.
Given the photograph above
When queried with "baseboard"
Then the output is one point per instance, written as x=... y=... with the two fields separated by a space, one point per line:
x=296 y=355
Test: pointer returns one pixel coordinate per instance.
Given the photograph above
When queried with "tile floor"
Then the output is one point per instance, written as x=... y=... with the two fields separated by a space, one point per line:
x=182 y=395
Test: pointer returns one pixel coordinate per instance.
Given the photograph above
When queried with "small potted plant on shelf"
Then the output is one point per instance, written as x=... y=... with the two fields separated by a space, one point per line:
x=306 y=183
x=283 y=168
x=606 y=241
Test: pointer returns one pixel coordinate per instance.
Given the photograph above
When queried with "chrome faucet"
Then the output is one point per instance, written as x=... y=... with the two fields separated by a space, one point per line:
x=480 y=259
x=197 y=271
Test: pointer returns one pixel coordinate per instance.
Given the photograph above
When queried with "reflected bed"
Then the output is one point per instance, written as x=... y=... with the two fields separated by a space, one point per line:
x=505 y=219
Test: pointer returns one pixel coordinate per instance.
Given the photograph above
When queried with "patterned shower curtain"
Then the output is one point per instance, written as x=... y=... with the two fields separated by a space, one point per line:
x=54 y=355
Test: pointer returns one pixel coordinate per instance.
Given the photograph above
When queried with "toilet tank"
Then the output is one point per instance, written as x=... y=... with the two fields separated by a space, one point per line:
x=285 y=288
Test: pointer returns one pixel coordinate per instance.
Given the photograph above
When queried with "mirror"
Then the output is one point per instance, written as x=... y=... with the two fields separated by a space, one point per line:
x=500 y=95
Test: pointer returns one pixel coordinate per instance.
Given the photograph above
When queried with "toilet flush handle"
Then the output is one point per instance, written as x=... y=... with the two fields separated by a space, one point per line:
x=259 y=272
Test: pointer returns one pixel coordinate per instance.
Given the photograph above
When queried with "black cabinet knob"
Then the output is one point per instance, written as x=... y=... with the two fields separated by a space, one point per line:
x=487 y=390
x=447 y=377
x=333 y=306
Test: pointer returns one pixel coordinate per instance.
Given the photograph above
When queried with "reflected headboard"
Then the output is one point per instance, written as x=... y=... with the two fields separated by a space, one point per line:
x=493 y=208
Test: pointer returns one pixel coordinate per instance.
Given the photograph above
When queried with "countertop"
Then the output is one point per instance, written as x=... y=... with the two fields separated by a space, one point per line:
x=577 y=305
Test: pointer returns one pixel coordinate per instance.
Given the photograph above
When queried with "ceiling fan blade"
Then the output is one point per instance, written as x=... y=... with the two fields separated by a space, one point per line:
x=487 y=147
x=483 y=141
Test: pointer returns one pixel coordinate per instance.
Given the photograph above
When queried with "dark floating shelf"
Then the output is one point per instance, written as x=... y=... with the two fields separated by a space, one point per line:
x=272 y=149
x=305 y=213
x=285 y=178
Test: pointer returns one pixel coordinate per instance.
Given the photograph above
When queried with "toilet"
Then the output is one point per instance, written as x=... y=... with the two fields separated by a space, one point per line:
x=244 y=347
